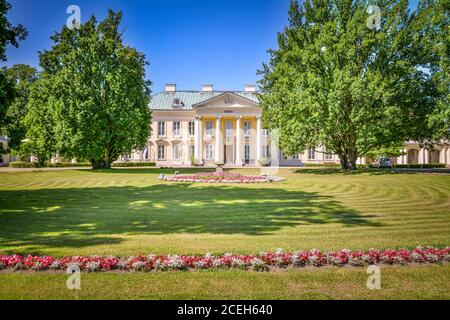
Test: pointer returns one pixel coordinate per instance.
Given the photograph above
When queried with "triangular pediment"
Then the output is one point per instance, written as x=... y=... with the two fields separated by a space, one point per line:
x=226 y=100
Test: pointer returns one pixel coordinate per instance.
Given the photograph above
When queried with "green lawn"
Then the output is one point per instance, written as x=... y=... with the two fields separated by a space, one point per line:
x=128 y=211
x=422 y=282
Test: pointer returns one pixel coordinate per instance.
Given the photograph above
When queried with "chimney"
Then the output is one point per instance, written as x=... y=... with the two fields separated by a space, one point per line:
x=207 y=88
x=250 y=88
x=171 y=87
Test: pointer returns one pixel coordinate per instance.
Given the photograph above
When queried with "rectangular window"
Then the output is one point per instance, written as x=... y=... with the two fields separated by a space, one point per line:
x=311 y=154
x=176 y=129
x=328 y=156
x=192 y=128
x=161 y=128
x=247 y=127
x=209 y=128
x=265 y=132
x=176 y=151
x=296 y=157
x=208 y=152
x=161 y=152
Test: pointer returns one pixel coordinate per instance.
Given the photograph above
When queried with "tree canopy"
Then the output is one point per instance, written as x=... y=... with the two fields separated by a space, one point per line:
x=22 y=76
x=9 y=35
x=354 y=81
x=94 y=94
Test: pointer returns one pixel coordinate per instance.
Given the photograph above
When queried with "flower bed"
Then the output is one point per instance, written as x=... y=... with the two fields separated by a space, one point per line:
x=222 y=177
x=262 y=262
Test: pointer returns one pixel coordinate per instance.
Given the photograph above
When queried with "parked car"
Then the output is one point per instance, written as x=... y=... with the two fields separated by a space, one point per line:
x=383 y=163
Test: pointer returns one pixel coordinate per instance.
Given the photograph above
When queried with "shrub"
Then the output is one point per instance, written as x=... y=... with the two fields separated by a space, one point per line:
x=322 y=165
x=67 y=164
x=420 y=166
x=22 y=164
x=133 y=164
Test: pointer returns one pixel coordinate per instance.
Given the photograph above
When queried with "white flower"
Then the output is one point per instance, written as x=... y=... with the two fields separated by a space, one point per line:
x=366 y=258
x=200 y=264
x=56 y=265
x=356 y=262
x=93 y=266
x=36 y=266
x=175 y=262
x=122 y=264
x=217 y=263
x=237 y=263
x=399 y=260
x=259 y=265
x=431 y=257
x=138 y=266
x=159 y=265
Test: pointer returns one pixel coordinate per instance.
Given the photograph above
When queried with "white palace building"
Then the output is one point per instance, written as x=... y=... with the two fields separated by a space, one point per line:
x=207 y=127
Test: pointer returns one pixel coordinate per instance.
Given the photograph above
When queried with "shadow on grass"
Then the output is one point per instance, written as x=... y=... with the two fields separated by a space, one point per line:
x=77 y=217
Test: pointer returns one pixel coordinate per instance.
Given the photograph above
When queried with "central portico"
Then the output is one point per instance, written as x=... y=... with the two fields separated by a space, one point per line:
x=207 y=127
x=228 y=130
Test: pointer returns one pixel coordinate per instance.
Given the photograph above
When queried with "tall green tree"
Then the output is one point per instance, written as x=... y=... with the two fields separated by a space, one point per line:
x=351 y=79
x=435 y=48
x=22 y=76
x=9 y=35
x=96 y=94
x=39 y=121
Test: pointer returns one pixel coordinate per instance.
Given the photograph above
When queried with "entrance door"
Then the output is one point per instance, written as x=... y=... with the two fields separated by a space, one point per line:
x=229 y=143
x=228 y=154
x=247 y=154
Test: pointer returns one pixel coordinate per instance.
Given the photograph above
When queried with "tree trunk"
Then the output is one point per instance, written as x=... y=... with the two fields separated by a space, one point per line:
x=348 y=162
x=344 y=161
x=352 y=158
x=100 y=164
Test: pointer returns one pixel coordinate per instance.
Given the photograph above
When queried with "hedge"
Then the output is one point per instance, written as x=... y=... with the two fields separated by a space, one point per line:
x=67 y=164
x=420 y=166
x=22 y=164
x=133 y=164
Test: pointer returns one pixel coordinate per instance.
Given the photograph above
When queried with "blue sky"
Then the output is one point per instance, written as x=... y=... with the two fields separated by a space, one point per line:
x=187 y=42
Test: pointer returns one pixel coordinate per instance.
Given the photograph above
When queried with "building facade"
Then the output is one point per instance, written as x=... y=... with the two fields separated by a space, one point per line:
x=208 y=127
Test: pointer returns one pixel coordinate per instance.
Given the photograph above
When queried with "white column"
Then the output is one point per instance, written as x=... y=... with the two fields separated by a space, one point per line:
x=448 y=155
x=238 y=141
x=426 y=156
x=405 y=156
x=258 y=139
x=186 y=139
x=198 y=139
x=218 y=139
x=443 y=155
x=422 y=156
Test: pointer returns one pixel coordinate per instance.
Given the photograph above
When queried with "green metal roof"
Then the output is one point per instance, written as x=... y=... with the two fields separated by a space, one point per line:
x=165 y=100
